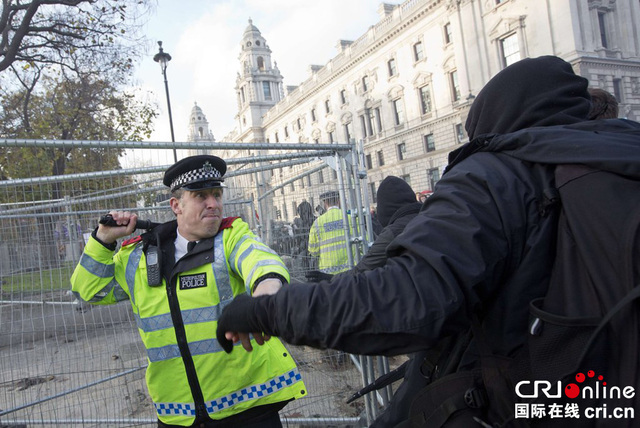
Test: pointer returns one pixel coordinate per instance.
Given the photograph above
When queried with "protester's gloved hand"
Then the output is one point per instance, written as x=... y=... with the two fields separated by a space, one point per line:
x=317 y=276
x=244 y=314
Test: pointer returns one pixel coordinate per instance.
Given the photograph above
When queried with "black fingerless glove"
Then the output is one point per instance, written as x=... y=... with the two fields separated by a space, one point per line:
x=244 y=314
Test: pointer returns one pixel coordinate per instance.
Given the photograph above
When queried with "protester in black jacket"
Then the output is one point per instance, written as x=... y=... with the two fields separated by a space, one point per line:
x=482 y=247
x=397 y=206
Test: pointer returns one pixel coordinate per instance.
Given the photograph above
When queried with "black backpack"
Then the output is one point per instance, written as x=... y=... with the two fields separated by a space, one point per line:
x=583 y=347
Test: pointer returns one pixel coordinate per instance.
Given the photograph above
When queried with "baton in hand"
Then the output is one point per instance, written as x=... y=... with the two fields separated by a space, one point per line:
x=108 y=220
x=381 y=382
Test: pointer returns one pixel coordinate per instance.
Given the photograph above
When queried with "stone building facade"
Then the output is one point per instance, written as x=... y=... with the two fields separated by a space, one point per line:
x=405 y=86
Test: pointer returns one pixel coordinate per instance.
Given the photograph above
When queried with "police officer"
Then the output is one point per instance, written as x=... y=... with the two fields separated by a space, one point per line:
x=327 y=237
x=178 y=277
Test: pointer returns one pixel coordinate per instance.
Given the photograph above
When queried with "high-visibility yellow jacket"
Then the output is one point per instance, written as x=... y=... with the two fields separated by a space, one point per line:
x=189 y=376
x=327 y=241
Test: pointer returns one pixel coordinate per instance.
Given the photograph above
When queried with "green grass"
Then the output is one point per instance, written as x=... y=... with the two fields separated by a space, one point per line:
x=38 y=281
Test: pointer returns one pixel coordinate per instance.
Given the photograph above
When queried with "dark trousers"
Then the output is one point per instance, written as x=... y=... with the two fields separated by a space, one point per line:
x=269 y=420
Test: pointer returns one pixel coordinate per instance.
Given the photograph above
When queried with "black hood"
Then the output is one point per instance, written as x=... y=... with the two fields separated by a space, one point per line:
x=393 y=194
x=540 y=91
x=611 y=145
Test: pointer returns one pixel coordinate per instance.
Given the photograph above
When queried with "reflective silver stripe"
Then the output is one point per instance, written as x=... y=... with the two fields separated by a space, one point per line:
x=332 y=240
x=189 y=316
x=118 y=292
x=101 y=270
x=333 y=248
x=252 y=392
x=234 y=254
x=248 y=251
x=130 y=270
x=220 y=271
x=163 y=353
x=200 y=347
x=270 y=262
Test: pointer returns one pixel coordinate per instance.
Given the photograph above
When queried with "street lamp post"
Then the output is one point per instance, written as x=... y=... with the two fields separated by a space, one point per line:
x=163 y=59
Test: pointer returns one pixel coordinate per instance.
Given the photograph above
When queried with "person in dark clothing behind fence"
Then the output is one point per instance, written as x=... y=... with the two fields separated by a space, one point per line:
x=479 y=252
x=301 y=226
x=397 y=206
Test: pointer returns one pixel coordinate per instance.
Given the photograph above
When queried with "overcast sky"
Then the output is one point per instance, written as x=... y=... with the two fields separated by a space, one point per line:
x=203 y=38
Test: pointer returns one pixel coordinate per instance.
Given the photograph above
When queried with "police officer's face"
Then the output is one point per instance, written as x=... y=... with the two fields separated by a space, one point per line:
x=199 y=213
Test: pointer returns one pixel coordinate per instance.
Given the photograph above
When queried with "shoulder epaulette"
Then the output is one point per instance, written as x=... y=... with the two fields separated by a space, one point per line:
x=131 y=241
x=227 y=222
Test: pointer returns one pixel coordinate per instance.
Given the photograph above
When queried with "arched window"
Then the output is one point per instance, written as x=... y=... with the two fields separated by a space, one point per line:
x=260 y=63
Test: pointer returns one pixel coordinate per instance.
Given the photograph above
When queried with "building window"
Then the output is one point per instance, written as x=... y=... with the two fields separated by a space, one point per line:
x=398 y=111
x=343 y=96
x=455 y=87
x=313 y=115
x=418 y=53
x=380 y=155
x=429 y=143
x=292 y=185
x=277 y=138
x=369 y=161
x=402 y=149
x=378 y=118
x=308 y=181
x=298 y=123
x=374 y=196
x=363 y=125
x=510 y=50
x=447 y=34
x=331 y=137
x=602 y=24
x=365 y=83
x=459 y=133
x=369 y=115
x=617 y=90
x=302 y=183
x=391 y=66
x=347 y=131
x=260 y=63
x=425 y=99
x=320 y=177
x=242 y=95
x=266 y=88
x=286 y=132
x=316 y=140
x=327 y=106
x=335 y=174
x=433 y=175
x=406 y=178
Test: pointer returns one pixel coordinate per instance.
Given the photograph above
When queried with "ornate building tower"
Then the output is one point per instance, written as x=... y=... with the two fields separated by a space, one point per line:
x=258 y=85
x=199 y=129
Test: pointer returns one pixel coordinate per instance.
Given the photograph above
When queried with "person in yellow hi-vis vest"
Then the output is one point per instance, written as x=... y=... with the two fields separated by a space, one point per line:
x=327 y=240
x=178 y=276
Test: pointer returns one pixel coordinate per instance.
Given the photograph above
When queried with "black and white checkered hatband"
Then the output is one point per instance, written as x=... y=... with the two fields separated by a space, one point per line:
x=206 y=173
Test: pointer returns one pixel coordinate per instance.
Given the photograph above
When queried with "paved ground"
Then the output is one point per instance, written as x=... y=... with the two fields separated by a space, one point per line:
x=87 y=365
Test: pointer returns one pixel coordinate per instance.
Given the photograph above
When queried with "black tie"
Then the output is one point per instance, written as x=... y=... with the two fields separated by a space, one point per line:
x=190 y=245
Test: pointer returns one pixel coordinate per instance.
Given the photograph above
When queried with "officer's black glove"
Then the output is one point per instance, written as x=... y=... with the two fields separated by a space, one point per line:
x=244 y=314
x=317 y=276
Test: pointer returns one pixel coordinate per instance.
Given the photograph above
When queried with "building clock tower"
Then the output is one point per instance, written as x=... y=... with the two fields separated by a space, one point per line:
x=258 y=85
